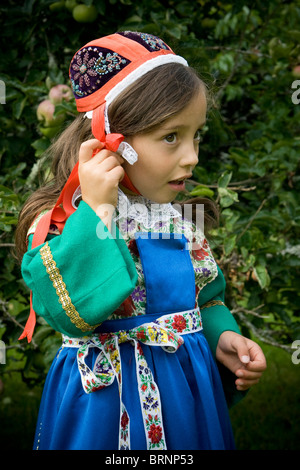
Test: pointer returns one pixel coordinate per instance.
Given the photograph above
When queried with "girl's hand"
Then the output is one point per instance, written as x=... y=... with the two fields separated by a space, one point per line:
x=100 y=175
x=243 y=357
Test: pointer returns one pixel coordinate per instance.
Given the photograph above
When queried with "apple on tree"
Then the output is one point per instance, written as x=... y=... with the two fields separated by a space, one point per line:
x=85 y=14
x=50 y=125
x=296 y=71
x=58 y=93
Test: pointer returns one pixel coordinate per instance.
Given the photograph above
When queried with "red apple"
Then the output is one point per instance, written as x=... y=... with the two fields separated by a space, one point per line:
x=45 y=113
x=58 y=93
x=296 y=71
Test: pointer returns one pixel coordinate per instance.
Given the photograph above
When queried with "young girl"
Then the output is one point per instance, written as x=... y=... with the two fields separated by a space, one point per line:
x=129 y=282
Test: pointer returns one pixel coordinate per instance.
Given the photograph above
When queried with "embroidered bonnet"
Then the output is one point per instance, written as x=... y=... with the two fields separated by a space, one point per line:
x=105 y=67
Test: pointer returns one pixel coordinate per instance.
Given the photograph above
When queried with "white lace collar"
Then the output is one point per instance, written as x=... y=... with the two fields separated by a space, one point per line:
x=143 y=210
x=138 y=208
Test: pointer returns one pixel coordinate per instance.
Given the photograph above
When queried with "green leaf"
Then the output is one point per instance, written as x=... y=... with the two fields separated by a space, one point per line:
x=18 y=107
x=7 y=193
x=224 y=179
x=202 y=191
x=40 y=146
x=262 y=275
x=227 y=197
x=42 y=333
x=294 y=34
x=175 y=31
x=229 y=244
x=133 y=19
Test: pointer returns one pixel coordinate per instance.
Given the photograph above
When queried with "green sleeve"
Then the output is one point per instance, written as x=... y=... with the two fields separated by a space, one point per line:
x=93 y=270
x=216 y=319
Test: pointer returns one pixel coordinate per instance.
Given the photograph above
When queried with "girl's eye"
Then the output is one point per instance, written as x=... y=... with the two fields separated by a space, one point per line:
x=170 y=139
x=197 y=137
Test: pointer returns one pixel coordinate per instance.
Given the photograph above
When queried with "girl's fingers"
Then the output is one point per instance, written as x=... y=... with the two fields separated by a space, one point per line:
x=248 y=375
x=87 y=149
x=96 y=155
x=118 y=173
x=92 y=152
x=109 y=162
x=245 y=384
x=247 y=378
x=257 y=365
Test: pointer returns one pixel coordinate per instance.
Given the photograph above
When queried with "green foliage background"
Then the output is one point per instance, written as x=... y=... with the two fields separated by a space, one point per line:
x=249 y=158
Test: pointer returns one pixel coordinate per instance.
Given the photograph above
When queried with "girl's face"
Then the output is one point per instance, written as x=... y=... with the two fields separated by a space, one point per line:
x=168 y=155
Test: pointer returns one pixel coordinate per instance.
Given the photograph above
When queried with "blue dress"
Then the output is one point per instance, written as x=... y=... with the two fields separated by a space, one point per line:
x=146 y=378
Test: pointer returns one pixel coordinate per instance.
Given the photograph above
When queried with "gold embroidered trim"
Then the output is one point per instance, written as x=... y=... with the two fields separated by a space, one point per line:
x=212 y=303
x=61 y=290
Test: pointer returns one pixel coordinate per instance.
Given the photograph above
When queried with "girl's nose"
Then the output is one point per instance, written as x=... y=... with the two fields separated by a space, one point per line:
x=190 y=156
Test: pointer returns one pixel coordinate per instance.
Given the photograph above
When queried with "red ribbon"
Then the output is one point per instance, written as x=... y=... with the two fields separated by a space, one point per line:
x=98 y=129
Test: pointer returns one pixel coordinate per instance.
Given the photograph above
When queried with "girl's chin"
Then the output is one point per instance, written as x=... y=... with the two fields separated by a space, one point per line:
x=159 y=198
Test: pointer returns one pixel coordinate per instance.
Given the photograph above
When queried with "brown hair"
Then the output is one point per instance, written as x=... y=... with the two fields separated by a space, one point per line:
x=151 y=100
x=154 y=98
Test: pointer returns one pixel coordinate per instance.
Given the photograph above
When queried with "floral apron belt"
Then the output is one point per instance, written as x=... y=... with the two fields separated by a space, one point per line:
x=166 y=332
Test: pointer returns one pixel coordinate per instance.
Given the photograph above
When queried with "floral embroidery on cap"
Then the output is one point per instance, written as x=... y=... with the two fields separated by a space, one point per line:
x=111 y=62
x=152 y=43
x=84 y=68
x=92 y=67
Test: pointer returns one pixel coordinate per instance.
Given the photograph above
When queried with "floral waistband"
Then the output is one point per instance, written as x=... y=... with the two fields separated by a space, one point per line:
x=166 y=332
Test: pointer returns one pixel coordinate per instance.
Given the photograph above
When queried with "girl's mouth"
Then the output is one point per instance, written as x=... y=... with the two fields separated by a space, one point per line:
x=177 y=185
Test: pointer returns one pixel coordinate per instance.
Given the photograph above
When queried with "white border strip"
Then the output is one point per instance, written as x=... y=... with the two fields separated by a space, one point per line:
x=141 y=70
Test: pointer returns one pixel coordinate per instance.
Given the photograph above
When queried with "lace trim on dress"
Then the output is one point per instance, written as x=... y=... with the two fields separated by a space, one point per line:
x=150 y=214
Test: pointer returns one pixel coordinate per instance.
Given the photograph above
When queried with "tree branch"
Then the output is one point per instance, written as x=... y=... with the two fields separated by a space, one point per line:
x=12 y=319
x=251 y=219
x=262 y=335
